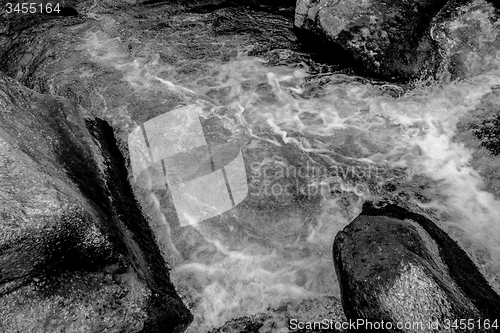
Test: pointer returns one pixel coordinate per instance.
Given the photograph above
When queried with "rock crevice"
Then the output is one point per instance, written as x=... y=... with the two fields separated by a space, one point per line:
x=73 y=238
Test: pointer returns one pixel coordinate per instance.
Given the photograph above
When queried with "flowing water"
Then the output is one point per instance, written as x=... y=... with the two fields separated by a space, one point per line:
x=316 y=146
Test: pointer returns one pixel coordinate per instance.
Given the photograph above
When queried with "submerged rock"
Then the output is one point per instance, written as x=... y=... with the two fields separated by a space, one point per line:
x=479 y=130
x=309 y=316
x=386 y=38
x=76 y=254
x=396 y=266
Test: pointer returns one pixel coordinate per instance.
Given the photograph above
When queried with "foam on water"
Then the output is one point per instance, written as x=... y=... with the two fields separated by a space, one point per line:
x=414 y=132
x=257 y=256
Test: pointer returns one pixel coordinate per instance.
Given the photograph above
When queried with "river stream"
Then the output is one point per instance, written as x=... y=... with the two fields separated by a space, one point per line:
x=316 y=145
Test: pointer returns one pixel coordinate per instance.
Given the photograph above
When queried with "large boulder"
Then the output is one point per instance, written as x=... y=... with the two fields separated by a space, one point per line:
x=385 y=38
x=401 y=40
x=399 y=267
x=76 y=253
x=468 y=36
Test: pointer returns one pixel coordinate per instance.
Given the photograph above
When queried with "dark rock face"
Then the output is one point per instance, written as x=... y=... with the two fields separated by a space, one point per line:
x=75 y=251
x=284 y=7
x=386 y=38
x=401 y=40
x=488 y=131
x=397 y=266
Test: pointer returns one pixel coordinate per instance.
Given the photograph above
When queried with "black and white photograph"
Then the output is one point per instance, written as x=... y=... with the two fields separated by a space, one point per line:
x=249 y=166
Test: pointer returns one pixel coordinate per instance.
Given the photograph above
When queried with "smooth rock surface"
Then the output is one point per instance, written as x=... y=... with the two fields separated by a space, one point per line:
x=397 y=266
x=76 y=253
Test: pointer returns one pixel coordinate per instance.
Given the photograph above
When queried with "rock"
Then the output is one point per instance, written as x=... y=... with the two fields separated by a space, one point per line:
x=488 y=131
x=76 y=254
x=407 y=39
x=386 y=38
x=77 y=302
x=479 y=131
x=164 y=26
x=396 y=266
x=323 y=314
x=468 y=35
x=284 y=7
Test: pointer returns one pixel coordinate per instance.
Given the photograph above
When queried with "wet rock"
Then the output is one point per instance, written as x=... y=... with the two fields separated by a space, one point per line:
x=15 y=20
x=396 y=266
x=284 y=7
x=484 y=124
x=77 y=302
x=76 y=253
x=386 y=38
x=468 y=35
x=37 y=51
x=323 y=314
x=488 y=131
x=406 y=39
x=479 y=131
